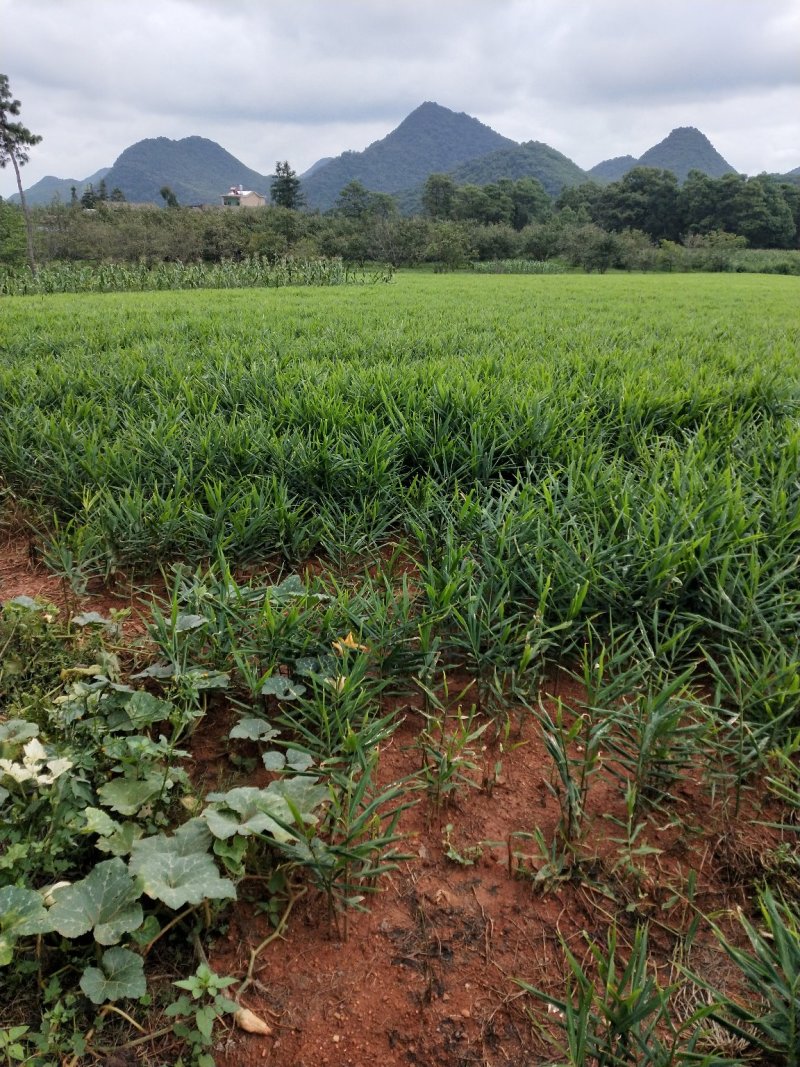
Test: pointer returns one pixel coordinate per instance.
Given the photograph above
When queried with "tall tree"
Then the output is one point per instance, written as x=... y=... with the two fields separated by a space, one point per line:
x=15 y=140
x=285 y=190
x=437 y=196
x=643 y=199
x=353 y=201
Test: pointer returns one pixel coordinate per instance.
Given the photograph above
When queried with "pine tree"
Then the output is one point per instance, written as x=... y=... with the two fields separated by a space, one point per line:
x=285 y=190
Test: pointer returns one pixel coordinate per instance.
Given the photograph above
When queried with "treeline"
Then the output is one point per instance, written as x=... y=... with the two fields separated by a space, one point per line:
x=763 y=210
x=644 y=221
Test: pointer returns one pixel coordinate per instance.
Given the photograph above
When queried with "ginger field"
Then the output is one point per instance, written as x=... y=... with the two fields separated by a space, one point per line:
x=412 y=668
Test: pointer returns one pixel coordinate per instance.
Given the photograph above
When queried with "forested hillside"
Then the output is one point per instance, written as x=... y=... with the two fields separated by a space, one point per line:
x=432 y=138
x=195 y=169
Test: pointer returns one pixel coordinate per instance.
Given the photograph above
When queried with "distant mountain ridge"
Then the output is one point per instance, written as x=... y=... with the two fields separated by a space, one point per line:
x=611 y=170
x=532 y=159
x=684 y=149
x=315 y=167
x=431 y=139
x=49 y=188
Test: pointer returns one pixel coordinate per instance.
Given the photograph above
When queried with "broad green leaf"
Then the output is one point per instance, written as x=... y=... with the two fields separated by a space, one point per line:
x=114 y=837
x=293 y=757
x=4 y=795
x=288 y=588
x=178 y=870
x=121 y=841
x=184 y=623
x=274 y=760
x=191 y=838
x=253 y=730
x=156 y=670
x=22 y=914
x=324 y=666
x=247 y=810
x=127 y=795
x=298 y=760
x=90 y=618
x=17 y=732
x=99 y=822
x=106 y=901
x=23 y=601
x=202 y=679
x=282 y=688
x=149 y=930
x=120 y=975
x=305 y=793
x=141 y=711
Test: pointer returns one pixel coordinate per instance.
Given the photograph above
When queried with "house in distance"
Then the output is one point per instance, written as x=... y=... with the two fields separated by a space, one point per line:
x=239 y=197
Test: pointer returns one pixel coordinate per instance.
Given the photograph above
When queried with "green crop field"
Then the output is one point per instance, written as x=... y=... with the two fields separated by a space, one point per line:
x=372 y=491
x=175 y=425
x=631 y=442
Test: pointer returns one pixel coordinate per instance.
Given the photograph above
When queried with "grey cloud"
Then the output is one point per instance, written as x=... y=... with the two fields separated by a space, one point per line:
x=308 y=78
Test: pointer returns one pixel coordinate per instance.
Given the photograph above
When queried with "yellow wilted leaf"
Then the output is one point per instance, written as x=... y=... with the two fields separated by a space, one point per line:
x=348 y=642
x=81 y=672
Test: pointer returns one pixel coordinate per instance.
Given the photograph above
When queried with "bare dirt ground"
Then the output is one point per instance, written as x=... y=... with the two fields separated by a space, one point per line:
x=23 y=574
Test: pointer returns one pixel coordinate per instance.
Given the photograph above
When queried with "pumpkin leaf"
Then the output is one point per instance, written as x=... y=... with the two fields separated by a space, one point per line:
x=22 y=914
x=120 y=975
x=127 y=795
x=253 y=730
x=106 y=901
x=179 y=870
x=282 y=688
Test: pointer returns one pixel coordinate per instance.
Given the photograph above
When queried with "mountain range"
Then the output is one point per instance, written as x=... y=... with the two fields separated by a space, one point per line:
x=432 y=139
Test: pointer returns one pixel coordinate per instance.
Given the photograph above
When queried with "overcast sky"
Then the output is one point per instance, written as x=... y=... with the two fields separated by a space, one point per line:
x=301 y=79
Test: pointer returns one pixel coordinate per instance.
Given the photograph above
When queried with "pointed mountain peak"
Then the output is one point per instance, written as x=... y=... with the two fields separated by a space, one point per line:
x=684 y=149
x=431 y=138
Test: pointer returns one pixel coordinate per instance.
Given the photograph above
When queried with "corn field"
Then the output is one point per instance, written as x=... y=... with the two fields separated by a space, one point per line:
x=252 y=272
x=519 y=266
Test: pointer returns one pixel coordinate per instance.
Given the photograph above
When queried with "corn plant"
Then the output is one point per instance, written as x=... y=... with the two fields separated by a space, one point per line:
x=253 y=271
